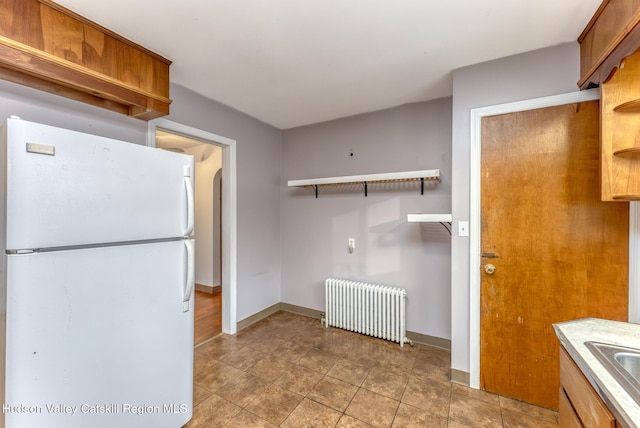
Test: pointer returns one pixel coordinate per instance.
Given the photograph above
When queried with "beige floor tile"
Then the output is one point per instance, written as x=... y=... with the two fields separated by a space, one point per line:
x=465 y=391
x=456 y=424
x=274 y=404
x=310 y=338
x=384 y=365
x=310 y=414
x=200 y=394
x=333 y=345
x=431 y=378
x=410 y=417
x=202 y=363
x=435 y=356
x=266 y=344
x=215 y=375
x=292 y=351
x=215 y=411
x=475 y=412
x=258 y=378
x=347 y=421
x=298 y=379
x=434 y=363
x=333 y=393
x=243 y=389
x=361 y=355
x=365 y=347
x=513 y=419
x=242 y=358
x=437 y=371
x=372 y=408
x=386 y=382
x=219 y=346
x=270 y=368
x=426 y=394
x=398 y=359
x=318 y=361
x=350 y=371
x=539 y=413
x=434 y=371
x=246 y=419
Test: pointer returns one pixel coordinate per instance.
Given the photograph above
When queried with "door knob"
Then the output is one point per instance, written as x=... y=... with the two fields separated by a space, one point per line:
x=489 y=268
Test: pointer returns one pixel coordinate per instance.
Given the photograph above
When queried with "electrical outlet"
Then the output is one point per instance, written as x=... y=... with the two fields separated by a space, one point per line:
x=352 y=244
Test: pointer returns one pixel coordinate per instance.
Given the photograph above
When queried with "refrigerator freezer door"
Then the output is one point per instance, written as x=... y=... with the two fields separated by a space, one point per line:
x=98 y=337
x=66 y=188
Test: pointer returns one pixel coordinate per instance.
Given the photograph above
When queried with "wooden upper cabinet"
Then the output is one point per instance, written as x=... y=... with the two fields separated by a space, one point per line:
x=48 y=47
x=612 y=35
x=619 y=133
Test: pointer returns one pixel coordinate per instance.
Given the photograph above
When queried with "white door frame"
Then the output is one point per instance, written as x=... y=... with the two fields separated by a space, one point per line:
x=229 y=210
x=475 y=212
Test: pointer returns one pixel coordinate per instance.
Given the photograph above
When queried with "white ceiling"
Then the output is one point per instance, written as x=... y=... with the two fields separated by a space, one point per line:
x=297 y=62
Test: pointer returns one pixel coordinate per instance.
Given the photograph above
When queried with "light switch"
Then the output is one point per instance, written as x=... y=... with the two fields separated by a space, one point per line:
x=463 y=228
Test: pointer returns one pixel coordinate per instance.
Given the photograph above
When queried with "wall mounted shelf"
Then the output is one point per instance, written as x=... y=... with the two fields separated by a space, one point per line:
x=390 y=177
x=443 y=219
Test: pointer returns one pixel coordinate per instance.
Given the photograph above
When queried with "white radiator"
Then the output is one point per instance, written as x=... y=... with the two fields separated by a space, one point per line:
x=370 y=309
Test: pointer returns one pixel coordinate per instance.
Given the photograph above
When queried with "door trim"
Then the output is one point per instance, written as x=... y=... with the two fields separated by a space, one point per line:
x=475 y=214
x=229 y=210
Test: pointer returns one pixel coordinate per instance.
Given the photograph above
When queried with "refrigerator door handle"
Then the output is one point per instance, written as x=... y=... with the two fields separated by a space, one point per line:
x=188 y=288
x=190 y=201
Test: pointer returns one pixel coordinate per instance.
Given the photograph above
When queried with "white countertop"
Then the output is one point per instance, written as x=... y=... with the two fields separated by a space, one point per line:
x=573 y=335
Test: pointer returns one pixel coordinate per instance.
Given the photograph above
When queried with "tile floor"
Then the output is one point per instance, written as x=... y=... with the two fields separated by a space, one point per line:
x=290 y=371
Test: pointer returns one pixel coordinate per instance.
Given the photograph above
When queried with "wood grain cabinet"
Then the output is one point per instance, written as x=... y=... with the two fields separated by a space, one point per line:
x=580 y=405
x=609 y=58
x=47 y=47
x=620 y=133
x=612 y=35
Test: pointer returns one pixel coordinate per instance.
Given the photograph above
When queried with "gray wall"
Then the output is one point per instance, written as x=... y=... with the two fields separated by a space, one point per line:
x=258 y=166
x=388 y=250
x=530 y=75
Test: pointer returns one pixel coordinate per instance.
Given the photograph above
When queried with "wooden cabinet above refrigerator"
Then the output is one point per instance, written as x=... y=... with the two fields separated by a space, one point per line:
x=48 y=47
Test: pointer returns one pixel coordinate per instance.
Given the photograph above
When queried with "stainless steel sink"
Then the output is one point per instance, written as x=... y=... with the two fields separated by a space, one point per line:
x=630 y=361
x=622 y=363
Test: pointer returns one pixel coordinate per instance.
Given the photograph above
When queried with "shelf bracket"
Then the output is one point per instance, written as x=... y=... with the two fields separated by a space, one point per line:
x=444 y=224
x=422 y=187
x=366 y=190
x=316 y=189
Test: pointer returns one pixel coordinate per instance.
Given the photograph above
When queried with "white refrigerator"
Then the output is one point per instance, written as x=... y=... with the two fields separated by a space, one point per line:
x=97 y=280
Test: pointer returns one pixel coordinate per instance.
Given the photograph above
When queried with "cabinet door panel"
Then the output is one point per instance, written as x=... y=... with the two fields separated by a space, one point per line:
x=586 y=402
x=568 y=417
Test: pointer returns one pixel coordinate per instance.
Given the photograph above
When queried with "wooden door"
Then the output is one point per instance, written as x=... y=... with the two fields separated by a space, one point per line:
x=560 y=253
